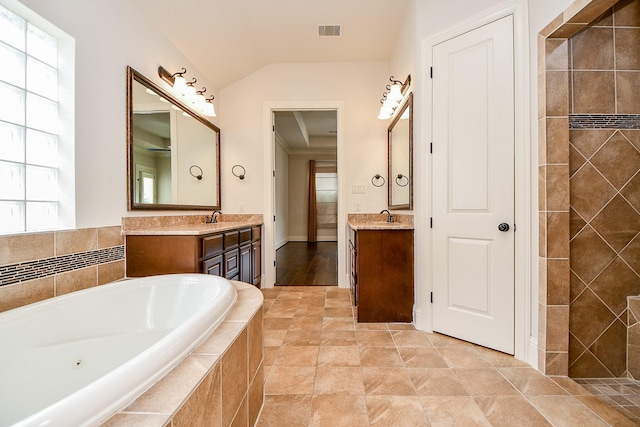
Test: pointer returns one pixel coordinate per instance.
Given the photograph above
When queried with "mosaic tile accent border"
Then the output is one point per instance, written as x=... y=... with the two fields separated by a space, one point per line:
x=604 y=121
x=14 y=273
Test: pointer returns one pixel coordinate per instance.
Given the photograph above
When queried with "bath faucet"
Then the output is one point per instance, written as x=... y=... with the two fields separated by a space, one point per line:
x=213 y=218
x=389 y=216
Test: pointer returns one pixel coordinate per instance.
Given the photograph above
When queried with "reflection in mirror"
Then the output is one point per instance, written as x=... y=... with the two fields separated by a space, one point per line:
x=400 y=140
x=166 y=141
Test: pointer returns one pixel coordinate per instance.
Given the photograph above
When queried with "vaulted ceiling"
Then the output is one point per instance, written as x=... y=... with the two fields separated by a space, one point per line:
x=230 y=39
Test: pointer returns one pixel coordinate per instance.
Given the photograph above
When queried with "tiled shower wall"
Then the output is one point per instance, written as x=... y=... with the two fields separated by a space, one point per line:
x=37 y=266
x=604 y=161
x=589 y=187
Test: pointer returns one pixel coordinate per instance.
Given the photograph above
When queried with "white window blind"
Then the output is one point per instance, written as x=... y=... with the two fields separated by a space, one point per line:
x=327 y=199
x=29 y=126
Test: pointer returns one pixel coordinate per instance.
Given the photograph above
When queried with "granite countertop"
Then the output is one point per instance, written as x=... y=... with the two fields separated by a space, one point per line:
x=379 y=222
x=225 y=222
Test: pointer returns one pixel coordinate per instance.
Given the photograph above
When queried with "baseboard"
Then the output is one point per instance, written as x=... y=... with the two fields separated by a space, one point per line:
x=532 y=358
x=281 y=243
x=320 y=239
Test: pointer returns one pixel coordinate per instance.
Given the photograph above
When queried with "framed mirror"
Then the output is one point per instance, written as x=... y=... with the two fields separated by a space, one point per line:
x=173 y=154
x=400 y=140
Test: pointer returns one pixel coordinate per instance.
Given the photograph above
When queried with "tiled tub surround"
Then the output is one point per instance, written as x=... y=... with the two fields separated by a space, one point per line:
x=221 y=383
x=633 y=337
x=37 y=266
x=589 y=186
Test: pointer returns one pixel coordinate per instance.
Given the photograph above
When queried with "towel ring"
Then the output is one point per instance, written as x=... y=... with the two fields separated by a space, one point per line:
x=241 y=175
x=399 y=178
x=197 y=175
x=377 y=177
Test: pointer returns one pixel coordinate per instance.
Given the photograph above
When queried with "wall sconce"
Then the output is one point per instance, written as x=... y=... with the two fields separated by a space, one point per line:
x=235 y=172
x=187 y=90
x=393 y=98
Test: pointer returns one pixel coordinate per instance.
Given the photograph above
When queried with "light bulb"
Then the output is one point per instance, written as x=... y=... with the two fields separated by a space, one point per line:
x=190 y=93
x=209 y=110
x=395 y=94
x=180 y=85
x=200 y=101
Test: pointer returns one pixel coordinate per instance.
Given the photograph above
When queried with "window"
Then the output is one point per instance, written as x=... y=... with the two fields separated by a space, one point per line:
x=327 y=199
x=35 y=138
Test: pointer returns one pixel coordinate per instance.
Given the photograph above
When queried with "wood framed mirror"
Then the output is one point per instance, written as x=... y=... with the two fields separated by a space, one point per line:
x=400 y=157
x=173 y=154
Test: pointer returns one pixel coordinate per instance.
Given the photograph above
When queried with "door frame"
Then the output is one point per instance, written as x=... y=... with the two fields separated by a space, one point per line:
x=269 y=147
x=525 y=343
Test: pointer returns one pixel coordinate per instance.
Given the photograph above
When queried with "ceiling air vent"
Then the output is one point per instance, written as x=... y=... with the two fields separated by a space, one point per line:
x=329 y=31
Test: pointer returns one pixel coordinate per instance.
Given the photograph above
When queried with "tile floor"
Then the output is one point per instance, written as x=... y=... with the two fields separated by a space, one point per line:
x=324 y=369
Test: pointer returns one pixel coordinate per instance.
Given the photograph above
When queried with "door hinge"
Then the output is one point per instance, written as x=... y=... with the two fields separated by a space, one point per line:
x=431 y=222
x=431 y=72
x=274 y=218
x=514 y=228
x=273 y=128
x=274 y=174
x=431 y=148
x=274 y=263
x=431 y=297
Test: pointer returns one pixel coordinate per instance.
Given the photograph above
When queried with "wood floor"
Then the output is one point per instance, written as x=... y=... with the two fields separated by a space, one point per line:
x=302 y=263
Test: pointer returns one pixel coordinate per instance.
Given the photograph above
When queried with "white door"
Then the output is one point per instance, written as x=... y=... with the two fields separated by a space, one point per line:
x=473 y=186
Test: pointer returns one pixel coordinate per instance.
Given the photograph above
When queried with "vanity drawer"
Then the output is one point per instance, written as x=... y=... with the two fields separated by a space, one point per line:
x=211 y=246
x=230 y=239
x=245 y=236
x=213 y=266
x=256 y=233
x=231 y=264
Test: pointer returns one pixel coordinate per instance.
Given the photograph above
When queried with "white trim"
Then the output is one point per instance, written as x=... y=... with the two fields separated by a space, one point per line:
x=269 y=271
x=523 y=238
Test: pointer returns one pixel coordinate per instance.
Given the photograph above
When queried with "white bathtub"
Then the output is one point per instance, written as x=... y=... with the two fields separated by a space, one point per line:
x=75 y=359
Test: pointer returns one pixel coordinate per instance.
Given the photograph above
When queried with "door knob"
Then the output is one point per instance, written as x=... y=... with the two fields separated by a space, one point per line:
x=503 y=227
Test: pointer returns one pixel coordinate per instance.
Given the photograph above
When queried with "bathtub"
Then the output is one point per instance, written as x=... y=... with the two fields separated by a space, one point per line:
x=77 y=358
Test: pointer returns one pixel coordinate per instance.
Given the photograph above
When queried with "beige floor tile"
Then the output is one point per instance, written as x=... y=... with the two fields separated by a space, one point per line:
x=416 y=357
x=335 y=338
x=484 y=382
x=270 y=354
x=380 y=356
x=301 y=338
x=401 y=327
x=387 y=381
x=312 y=300
x=375 y=338
x=338 y=324
x=531 y=382
x=565 y=411
x=371 y=327
x=274 y=338
x=276 y=323
x=436 y=382
x=393 y=411
x=499 y=359
x=606 y=412
x=408 y=338
x=439 y=340
x=453 y=411
x=281 y=312
x=463 y=357
x=338 y=303
x=341 y=380
x=297 y=356
x=306 y=324
x=338 y=312
x=570 y=386
x=338 y=411
x=285 y=410
x=337 y=356
x=310 y=312
x=508 y=411
x=290 y=380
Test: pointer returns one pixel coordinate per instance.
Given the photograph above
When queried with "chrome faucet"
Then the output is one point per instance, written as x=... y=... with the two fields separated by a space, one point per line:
x=213 y=218
x=389 y=216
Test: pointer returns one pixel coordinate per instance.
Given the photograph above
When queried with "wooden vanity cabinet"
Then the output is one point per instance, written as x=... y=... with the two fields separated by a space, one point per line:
x=382 y=275
x=233 y=254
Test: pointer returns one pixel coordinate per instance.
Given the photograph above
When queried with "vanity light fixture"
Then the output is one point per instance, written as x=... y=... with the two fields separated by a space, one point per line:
x=393 y=98
x=188 y=91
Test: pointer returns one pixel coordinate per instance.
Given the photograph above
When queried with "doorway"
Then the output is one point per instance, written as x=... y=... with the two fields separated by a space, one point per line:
x=306 y=197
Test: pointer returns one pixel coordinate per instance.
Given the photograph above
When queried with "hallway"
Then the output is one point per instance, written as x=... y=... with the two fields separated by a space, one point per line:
x=302 y=263
x=324 y=369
